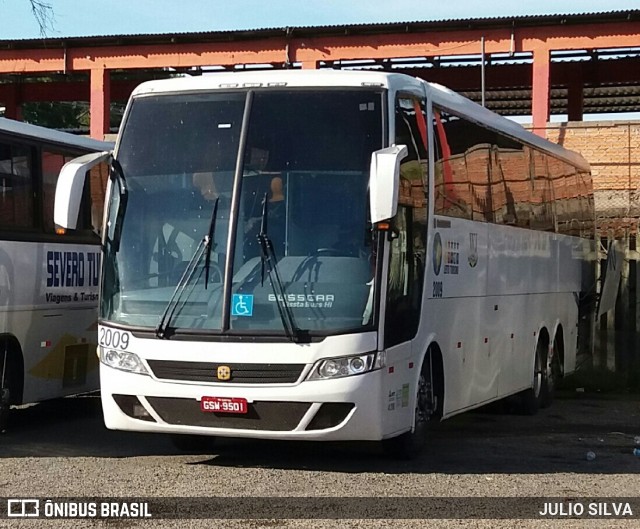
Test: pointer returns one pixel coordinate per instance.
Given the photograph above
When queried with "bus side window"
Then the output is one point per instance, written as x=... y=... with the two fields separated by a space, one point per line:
x=97 y=178
x=509 y=169
x=16 y=187
x=461 y=180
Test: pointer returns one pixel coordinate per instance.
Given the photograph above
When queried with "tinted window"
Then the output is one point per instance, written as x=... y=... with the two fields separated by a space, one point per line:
x=16 y=187
x=483 y=175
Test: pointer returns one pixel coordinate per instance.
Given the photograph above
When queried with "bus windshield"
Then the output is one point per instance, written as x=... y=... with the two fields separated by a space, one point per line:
x=304 y=159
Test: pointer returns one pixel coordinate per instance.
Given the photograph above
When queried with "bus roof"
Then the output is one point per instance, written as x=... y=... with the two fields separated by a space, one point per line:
x=275 y=78
x=440 y=95
x=34 y=132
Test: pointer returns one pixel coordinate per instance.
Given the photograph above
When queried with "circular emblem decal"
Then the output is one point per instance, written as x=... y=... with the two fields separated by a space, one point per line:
x=437 y=254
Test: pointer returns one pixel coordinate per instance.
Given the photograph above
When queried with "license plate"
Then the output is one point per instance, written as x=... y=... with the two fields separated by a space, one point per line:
x=223 y=405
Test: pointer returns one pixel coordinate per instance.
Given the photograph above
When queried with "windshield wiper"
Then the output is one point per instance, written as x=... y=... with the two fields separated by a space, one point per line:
x=204 y=248
x=269 y=259
x=208 y=242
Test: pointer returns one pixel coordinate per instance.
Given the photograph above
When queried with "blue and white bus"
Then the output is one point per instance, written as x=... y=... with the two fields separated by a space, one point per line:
x=48 y=279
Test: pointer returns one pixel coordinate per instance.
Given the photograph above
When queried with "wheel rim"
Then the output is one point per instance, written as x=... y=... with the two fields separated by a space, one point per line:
x=538 y=374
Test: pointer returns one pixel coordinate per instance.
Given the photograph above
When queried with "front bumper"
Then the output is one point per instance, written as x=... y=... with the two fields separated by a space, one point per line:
x=343 y=409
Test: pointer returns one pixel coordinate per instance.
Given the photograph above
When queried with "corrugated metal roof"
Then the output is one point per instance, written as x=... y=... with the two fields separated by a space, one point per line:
x=364 y=28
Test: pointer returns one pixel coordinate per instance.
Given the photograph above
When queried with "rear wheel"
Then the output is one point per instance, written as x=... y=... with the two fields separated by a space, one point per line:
x=192 y=443
x=428 y=402
x=10 y=381
x=4 y=409
x=531 y=399
x=553 y=374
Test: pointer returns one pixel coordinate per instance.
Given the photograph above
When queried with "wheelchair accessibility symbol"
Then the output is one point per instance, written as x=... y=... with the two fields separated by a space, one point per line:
x=242 y=305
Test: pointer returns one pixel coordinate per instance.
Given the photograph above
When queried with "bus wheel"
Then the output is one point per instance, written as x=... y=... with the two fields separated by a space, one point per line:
x=8 y=390
x=192 y=443
x=553 y=374
x=4 y=409
x=410 y=444
x=531 y=399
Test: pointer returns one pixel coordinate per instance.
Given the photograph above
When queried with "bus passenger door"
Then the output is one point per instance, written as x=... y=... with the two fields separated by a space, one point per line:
x=405 y=279
x=405 y=258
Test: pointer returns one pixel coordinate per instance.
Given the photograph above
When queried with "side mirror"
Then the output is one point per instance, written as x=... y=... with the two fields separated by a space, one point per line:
x=69 y=188
x=384 y=182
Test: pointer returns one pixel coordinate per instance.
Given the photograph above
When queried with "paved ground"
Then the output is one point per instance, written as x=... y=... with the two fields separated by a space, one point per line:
x=61 y=448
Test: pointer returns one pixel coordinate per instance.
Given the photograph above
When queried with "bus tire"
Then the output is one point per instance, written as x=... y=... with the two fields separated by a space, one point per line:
x=4 y=409
x=531 y=399
x=410 y=444
x=11 y=384
x=192 y=444
x=554 y=373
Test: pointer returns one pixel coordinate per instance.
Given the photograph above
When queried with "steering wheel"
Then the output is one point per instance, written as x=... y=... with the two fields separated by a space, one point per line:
x=325 y=251
x=215 y=273
x=170 y=246
x=167 y=257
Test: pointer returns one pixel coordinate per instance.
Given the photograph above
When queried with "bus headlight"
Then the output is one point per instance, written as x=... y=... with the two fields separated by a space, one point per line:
x=346 y=366
x=122 y=360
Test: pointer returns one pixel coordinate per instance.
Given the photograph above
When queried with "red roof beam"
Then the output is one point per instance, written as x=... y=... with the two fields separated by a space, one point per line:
x=461 y=78
x=317 y=48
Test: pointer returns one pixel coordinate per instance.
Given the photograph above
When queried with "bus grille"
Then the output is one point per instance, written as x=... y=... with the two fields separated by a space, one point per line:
x=240 y=373
x=274 y=416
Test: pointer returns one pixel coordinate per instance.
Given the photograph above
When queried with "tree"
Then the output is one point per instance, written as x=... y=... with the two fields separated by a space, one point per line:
x=57 y=114
x=43 y=13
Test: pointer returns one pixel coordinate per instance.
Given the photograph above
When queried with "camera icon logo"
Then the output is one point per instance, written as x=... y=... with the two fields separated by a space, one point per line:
x=29 y=508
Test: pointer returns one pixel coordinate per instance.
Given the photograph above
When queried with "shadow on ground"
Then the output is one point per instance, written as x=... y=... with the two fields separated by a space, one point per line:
x=485 y=441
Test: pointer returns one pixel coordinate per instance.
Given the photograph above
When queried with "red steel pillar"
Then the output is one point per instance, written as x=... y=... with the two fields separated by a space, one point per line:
x=540 y=97
x=575 y=97
x=100 y=101
x=12 y=102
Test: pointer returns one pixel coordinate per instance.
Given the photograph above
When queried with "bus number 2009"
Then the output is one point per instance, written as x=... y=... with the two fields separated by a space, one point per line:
x=437 y=289
x=113 y=338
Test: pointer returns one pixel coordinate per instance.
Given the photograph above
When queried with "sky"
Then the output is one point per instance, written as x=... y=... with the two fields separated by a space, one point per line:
x=76 y=18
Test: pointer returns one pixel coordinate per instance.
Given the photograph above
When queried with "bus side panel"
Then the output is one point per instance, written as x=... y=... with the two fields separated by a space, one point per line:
x=536 y=278
x=59 y=350
x=526 y=261
x=495 y=288
x=48 y=301
x=522 y=318
x=455 y=310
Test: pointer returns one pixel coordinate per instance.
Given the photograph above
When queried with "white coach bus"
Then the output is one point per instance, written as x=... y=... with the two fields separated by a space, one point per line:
x=48 y=280
x=331 y=255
